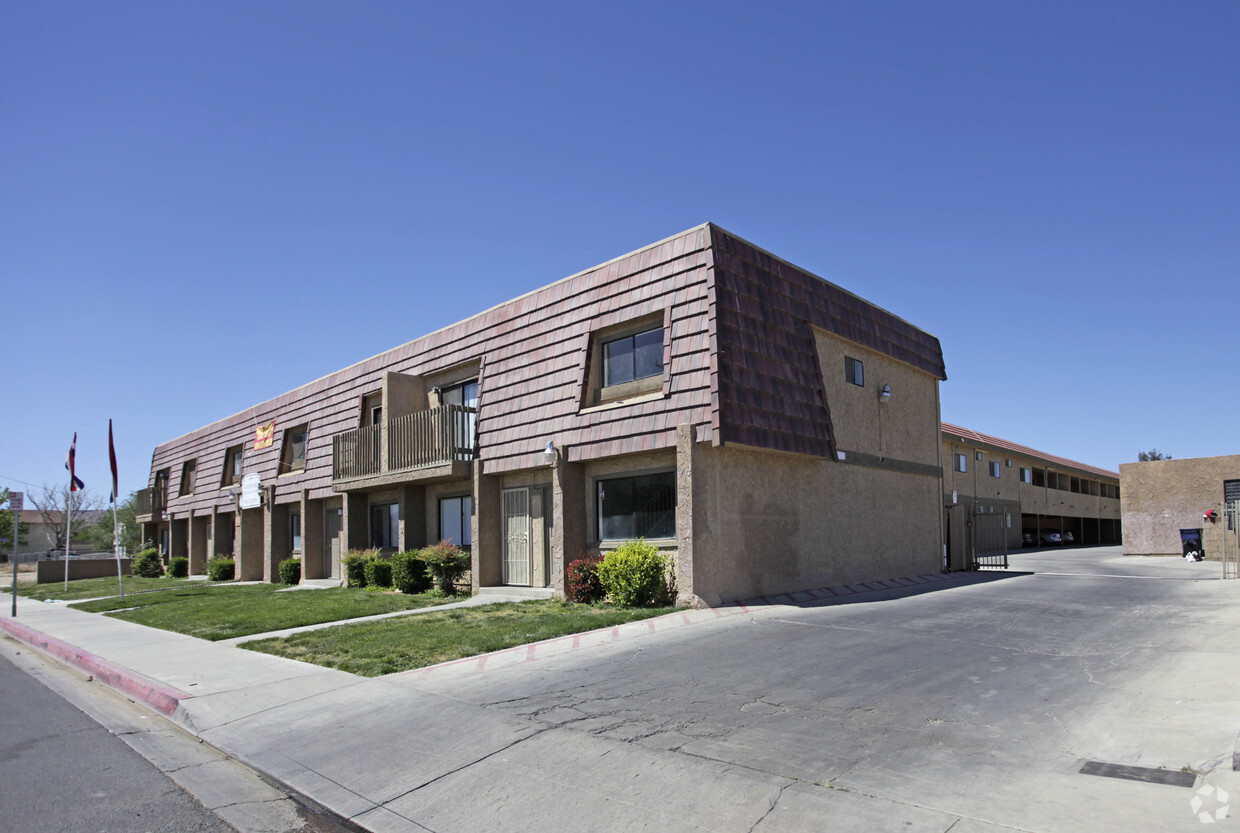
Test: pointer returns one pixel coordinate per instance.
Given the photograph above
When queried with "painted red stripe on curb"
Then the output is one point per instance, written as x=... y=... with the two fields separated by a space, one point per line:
x=161 y=698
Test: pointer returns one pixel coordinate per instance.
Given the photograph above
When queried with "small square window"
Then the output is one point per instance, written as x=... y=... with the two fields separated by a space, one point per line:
x=854 y=371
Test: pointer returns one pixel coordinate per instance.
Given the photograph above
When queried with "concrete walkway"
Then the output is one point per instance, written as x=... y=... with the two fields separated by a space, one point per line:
x=966 y=702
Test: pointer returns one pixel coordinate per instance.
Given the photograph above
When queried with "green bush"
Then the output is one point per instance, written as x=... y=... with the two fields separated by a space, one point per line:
x=581 y=582
x=409 y=573
x=221 y=569
x=355 y=566
x=290 y=571
x=635 y=574
x=179 y=567
x=147 y=564
x=378 y=572
x=445 y=562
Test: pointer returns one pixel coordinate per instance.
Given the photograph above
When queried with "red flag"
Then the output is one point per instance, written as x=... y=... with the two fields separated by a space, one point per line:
x=74 y=482
x=112 y=457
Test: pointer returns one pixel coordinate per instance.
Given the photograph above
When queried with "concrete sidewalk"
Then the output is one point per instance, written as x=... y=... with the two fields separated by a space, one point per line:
x=696 y=721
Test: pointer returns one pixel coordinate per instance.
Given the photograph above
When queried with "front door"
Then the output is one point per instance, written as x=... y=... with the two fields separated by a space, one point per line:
x=331 y=542
x=516 y=512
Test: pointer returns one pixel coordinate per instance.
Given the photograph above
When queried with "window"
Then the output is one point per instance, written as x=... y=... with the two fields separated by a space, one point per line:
x=637 y=507
x=854 y=371
x=979 y=456
x=633 y=357
x=994 y=468
x=293 y=456
x=385 y=525
x=232 y=465
x=188 y=471
x=1039 y=477
x=464 y=394
x=294 y=530
x=372 y=409
x=959 y=463
x=454 y=523
x=1009 y=464
x=159 y=499
x=1026 y=476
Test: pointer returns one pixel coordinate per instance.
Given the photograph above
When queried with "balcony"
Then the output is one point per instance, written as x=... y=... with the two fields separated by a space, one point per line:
x=150 y=503
x=427 y=445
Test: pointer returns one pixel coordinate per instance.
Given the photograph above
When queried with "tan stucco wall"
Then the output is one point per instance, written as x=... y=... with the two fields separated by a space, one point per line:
x=906 y=427
x=767 y=523
x=1161 y=497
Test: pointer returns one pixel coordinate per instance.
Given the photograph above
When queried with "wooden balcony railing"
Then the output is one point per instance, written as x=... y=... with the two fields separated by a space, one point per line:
x=433 y=437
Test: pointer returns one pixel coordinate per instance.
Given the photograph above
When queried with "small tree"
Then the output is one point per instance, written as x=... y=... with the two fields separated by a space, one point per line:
x=446 y=562
x=1151 y=455
x=100 y=532
x=51 y=503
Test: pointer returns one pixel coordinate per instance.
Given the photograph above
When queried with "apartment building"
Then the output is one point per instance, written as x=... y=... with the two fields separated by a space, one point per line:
x=999 y=496
x=1173 y=506
x=768 y=429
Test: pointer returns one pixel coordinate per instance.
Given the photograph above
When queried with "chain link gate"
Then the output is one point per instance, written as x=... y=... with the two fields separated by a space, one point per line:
x=988 y=540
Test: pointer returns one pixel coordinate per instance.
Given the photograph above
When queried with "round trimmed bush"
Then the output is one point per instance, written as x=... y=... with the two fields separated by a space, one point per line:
x=634 y=574
x=290 y=571
x=409 y=573
x=178 y=567
x=221 y=569
x=378 y=573
x=147 y=564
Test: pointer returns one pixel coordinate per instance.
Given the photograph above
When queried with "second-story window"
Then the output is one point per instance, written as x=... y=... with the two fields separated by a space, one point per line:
x=232 y=465
x=293 y=455
x=854 y=371
x=188 y=472
x=994 y=468
x=633 y=357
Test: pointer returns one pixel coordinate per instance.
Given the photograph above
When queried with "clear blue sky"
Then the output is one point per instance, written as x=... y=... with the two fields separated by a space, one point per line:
x=203 y=205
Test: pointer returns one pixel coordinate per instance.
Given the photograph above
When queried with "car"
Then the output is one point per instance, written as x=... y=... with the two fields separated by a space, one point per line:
x=1050 y=539
x=1026 y=540
x=1068 y=539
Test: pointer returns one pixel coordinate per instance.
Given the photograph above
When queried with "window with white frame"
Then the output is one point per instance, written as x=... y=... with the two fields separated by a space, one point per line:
x=994 y=468
x=960 y=463
x=1026 y=476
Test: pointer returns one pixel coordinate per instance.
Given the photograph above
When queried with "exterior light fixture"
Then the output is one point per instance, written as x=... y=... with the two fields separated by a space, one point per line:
x=884 y=395
x=549 y=453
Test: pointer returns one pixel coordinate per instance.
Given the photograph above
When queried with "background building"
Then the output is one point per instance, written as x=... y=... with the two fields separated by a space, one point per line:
x=1164 y=498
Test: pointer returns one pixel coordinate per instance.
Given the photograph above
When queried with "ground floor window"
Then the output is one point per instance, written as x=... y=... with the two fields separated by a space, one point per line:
x=637 y=507
x=294 y=530
x=454 y=523
x=384 y=525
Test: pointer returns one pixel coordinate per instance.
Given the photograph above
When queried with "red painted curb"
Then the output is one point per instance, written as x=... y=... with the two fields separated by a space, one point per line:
x=160 y=698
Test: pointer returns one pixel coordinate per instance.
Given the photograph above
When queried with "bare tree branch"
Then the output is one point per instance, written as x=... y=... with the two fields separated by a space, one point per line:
x=50 y=501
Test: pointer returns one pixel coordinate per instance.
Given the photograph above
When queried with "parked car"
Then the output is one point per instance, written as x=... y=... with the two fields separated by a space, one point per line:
x=1026 y=540
x=1068 y=539
x=1051 y=539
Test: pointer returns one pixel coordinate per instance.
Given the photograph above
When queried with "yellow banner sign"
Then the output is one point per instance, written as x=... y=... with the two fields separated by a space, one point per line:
x=264 y=434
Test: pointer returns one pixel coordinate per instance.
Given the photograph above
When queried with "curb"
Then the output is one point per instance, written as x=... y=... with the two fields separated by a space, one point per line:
x=161 y=698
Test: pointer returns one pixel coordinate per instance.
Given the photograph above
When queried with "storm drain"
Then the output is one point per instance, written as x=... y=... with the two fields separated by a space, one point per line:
x=1171 y=777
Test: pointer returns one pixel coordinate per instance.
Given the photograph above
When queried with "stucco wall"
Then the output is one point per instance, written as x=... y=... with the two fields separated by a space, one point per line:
x=767 y=523
x=1161 y=497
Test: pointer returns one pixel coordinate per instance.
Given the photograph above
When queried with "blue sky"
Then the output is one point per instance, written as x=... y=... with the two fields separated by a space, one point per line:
x=207 y=204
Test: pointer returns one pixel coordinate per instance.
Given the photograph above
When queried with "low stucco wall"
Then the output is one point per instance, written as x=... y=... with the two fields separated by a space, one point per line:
x=767 y=523
x=1161 y=497
x=51 y=571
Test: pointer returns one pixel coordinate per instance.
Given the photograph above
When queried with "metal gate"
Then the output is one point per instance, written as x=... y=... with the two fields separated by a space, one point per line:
x=1231 y=539
x=516 y=510
x=988 y=540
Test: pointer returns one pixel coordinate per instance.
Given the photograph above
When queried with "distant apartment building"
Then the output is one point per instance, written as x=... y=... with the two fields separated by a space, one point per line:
x=1000 y=496
x=768 y=429
x=1172 y=506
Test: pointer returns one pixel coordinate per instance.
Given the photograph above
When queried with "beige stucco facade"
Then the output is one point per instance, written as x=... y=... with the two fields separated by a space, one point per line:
x=1162 y=497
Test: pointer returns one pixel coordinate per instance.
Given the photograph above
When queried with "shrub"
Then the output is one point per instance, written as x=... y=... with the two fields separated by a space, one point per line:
x=355 y=566
x=446 y=562
x=290 y=571
x=221 y=569
x=409 y=573
x=147 y=564
x=635 y=574
x=378 y=572
x=581 y=581
x=179 y=567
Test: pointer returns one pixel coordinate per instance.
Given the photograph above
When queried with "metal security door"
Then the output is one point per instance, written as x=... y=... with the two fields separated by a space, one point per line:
x=516 y=506
x=988 y=540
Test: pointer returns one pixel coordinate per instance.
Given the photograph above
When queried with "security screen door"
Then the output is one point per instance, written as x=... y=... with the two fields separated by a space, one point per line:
x=516 y=506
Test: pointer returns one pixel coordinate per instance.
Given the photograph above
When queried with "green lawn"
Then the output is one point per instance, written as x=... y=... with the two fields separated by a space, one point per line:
x=375 y=648
x=224 y=611
x=91 y=588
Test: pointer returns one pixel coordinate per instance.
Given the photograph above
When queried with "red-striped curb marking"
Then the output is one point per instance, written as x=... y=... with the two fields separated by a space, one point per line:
x=160 y=698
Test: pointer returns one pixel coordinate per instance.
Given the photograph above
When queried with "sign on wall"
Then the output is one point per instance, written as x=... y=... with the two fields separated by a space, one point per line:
x=251 y=492
x=264 y=435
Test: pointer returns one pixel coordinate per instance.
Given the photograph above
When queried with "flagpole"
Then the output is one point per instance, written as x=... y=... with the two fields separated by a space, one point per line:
x=116 y=534
x=68 y=526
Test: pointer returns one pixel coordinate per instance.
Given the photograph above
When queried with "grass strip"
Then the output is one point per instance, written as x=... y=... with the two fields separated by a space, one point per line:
x=92 y=588
x=223 y=612
x=371 y=649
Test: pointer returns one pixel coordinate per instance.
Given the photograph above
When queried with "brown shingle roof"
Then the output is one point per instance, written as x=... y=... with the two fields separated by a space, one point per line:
x=967 y=435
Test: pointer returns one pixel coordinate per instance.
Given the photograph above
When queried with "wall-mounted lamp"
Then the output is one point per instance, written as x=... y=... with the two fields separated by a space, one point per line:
x=884 y=395
x=435 y=390
x=232 y=495
x=550 y=453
